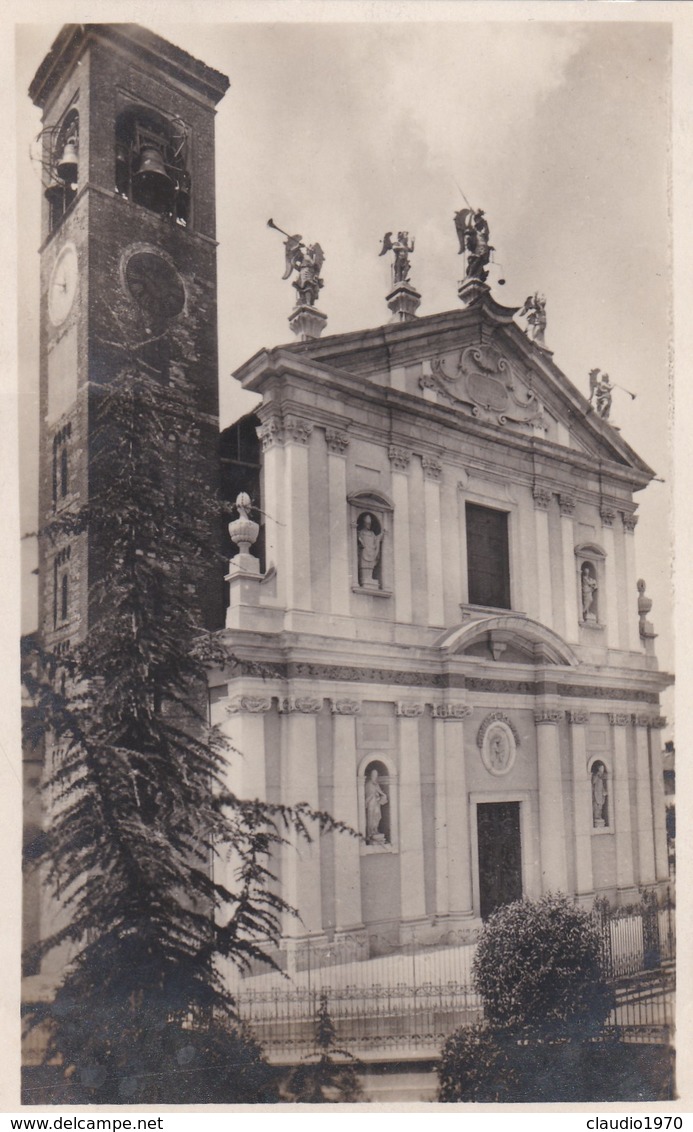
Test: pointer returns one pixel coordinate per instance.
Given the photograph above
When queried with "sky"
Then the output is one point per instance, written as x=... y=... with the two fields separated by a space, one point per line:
x=347 y=128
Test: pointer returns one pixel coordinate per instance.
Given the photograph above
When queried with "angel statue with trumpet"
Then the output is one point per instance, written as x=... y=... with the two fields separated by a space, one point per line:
x=306 y=260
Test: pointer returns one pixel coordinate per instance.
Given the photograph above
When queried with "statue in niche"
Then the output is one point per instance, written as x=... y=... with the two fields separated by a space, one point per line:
x=599 y=796
x=402 y=249
x=588 y=587
x=473 y=234
x=369 y=545
x=376 y=798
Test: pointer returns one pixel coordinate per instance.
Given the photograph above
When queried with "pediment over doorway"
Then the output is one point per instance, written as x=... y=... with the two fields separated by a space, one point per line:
x=510 y=637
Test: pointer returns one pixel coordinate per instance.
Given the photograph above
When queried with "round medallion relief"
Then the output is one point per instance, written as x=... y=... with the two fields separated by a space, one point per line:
x=498 y=749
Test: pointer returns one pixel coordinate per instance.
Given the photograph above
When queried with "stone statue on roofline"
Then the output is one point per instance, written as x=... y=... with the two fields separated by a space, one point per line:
x=474 y=238
x=534 y=311
x=601 y=393
x=403 y=248
x=306 y=260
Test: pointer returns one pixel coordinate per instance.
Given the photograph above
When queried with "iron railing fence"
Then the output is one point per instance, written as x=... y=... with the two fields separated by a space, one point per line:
x=412 y=999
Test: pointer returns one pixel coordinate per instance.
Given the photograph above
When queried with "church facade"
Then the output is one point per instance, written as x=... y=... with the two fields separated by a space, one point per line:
x=440 y=642
x=433 y=612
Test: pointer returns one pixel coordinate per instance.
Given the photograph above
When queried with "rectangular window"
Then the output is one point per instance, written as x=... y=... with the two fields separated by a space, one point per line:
x=488 y=562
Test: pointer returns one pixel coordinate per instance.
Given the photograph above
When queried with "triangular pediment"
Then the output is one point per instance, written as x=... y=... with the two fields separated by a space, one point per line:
x=475 y=364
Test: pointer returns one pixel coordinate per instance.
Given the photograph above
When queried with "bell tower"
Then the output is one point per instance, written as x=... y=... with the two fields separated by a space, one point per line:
x=128 y=266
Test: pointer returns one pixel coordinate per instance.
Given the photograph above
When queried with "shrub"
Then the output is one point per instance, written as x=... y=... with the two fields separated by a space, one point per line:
x=537 y=969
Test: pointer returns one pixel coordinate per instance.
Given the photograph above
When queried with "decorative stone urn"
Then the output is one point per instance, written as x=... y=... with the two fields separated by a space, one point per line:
x=244 y=532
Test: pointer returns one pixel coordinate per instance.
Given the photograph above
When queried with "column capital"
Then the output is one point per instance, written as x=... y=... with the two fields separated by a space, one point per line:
x=630 y=522
x=270 y=432
x=451 y=711
x=345 y=707
x=248 y=703
x=432 y=467
x=607 y=515
x=306 y=704
x=566 y=504
x=399 y=457
x=337 y=441
x=542 y=498
x=548 y=715
x=407 y=710
x=619 y=718
x=578 y=717
x=297 y=429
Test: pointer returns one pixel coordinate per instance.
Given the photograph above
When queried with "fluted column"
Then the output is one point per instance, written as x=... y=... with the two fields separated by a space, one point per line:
x=647 y=872
x=551 y=819
x=622 y=821
x=432 y=470
x=658 y=799
x=340 y=593
x=413 y=899
x=400 y=459
x=297 y=513
x=347 y=868
x=542 y=502
x=567 y=506
x=582 y=802
x=301 y=860
x=453 y=859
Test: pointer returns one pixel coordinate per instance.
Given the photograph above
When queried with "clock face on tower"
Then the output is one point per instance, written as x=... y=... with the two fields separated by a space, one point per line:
x=154 y=284
x=63 y=284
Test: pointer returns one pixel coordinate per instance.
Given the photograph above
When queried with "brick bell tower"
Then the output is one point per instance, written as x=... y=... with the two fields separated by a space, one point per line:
x=128 y=266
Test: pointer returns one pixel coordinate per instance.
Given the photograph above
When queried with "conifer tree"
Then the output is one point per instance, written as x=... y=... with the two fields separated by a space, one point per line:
x=139 y=810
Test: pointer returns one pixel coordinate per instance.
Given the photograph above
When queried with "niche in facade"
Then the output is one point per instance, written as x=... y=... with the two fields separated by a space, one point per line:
x=590 y=581
x=377 y=804
x=600 y=795
x=151 y=162
x=371 y=540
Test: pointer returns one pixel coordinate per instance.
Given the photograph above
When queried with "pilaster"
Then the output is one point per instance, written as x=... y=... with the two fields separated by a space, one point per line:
x=542 y=502
x=296 y=488
x=625 y=877
x=340 y=592
x=658 y=799
x=300 y=859
x=413 y=901
x=633 y=626
x=647 y=872
x=551 y=819
x=453 y=858
x=582 y=802
x=432 y=471
x=347 y=873
x=567 y=506
x=399 y=460
x=270 y=434
x=614 y=632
